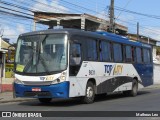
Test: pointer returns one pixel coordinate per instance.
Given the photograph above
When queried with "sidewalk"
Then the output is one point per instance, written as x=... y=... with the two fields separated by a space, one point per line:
x=6 y=97
x=155 y=86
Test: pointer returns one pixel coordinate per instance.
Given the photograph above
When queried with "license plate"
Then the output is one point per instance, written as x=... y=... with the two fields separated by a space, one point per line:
x=36 y=89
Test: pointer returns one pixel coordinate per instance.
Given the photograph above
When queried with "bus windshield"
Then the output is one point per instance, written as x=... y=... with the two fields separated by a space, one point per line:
x=41 y=53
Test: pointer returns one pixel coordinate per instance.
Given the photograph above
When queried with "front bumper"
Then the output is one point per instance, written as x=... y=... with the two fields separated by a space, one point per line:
x=60 y=90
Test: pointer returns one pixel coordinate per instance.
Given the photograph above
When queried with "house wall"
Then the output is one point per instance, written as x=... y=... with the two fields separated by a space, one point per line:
x=2 y=69
x=156 y=71
x=154 y=51
x=7 y=84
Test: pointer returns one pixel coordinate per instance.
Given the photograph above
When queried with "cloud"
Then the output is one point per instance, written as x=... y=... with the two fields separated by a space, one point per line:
x=10 y=32
x=52 y=6
x=15 y=26
x=21 y=28
x=13 y=32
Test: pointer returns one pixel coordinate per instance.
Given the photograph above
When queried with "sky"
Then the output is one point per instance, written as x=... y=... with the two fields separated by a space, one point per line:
x=146 y=12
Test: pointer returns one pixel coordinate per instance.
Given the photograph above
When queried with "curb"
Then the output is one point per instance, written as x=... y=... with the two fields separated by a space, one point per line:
x=156 y=86
x=18 y=100
x=3 y=100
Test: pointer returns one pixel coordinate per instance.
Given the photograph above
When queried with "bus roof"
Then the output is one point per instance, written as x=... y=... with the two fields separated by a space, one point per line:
x=96 y=35
x=122 y=39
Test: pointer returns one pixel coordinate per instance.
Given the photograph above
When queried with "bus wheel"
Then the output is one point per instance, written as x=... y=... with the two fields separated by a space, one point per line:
x=90 y=93
x=134 y=90
x=45 y=100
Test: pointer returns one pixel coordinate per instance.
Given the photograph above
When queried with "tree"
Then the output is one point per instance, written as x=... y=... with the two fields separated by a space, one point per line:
x=158 y=50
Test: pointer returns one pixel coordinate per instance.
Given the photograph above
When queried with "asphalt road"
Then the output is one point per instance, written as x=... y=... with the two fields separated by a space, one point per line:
x=146 y=100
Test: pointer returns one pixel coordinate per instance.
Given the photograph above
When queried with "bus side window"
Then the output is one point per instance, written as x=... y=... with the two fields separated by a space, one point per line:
x=133 y=54
x=129 y=55
x=75 y=54
x=138 y=55
x=91 y=49
x=146 y=56
x=105 y=51
x=117 y=50
x=75 y=59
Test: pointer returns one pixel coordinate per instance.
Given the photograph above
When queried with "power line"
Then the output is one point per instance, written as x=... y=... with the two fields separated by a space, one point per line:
x=49 y=6
x=123 y=8
x=15 y=21
x=11 y=4
x=28 y=9
x=16 y=11
x=14 y=14
x=134 y=24
x=87 y=3
x=14 y=5
x=78 y=6
x=23 y=8
x=137 y=13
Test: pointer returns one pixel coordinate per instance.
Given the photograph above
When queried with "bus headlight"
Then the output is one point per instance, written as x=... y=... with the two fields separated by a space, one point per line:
x=60 y=79
x=63 y=76
x=18 y=81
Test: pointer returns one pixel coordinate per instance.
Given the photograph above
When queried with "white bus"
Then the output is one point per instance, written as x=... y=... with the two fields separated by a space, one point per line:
x=69 y=63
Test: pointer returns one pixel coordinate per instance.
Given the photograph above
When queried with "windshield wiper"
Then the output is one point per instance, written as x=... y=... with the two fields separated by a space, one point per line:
x=40 y=57
x=44 y=65
x=28 y=64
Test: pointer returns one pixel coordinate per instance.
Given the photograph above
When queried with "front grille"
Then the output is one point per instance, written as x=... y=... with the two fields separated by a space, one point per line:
x=37 y=94
x=39 y=83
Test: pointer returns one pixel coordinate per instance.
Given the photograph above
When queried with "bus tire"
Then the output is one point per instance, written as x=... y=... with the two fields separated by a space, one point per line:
x=89 y=93
x=45 y=100
x=134 y=90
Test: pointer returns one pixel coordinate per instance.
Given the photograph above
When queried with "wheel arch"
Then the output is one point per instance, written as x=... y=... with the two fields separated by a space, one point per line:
x=135 y=78
x=93 y=80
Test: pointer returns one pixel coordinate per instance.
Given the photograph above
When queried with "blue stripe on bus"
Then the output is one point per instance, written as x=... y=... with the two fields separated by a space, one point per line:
x=145 y=71
x=60 y=90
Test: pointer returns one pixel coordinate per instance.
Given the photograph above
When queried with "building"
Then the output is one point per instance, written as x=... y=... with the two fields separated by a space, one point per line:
x=6 y=67
x=146 y=40
x=78 y=21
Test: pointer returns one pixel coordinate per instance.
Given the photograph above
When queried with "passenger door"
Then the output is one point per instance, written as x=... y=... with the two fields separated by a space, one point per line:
x=75 y=58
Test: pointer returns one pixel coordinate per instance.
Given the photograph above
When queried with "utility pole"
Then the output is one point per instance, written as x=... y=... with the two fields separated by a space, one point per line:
x=34 y=25
x=111 y=15
x=138 y=31
x=148 y=40
x=1 y=34
x=1 y=66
